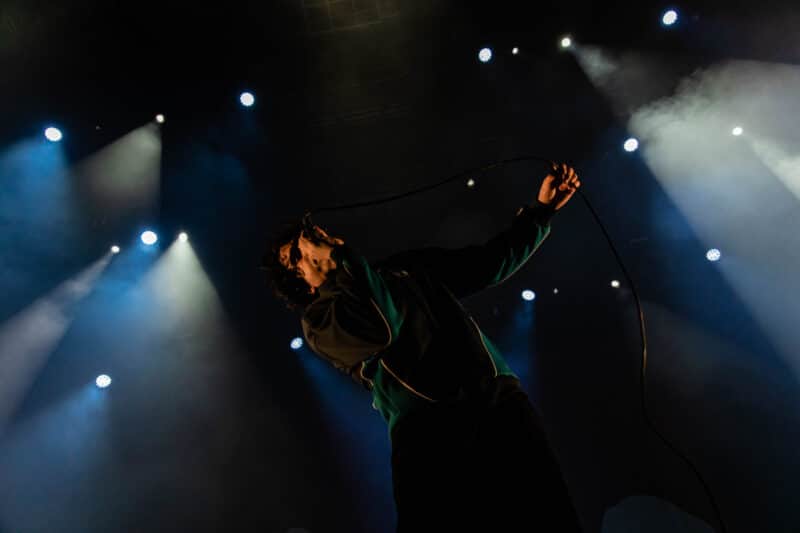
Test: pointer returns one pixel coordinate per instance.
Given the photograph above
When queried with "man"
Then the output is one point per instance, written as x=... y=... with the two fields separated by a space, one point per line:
x=468 y=448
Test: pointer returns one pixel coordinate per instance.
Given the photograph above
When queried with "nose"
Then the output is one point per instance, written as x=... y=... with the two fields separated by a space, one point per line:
x=312 y=263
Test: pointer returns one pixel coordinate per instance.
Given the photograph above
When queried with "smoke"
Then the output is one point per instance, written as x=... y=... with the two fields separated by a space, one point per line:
x=740 y=193
x=782 y=161
x=28 y=339
x=124 y=178
x=628 y=79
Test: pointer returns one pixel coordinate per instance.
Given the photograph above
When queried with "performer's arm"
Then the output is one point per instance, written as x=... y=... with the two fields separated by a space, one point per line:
x=354 y=315
x=473 y=268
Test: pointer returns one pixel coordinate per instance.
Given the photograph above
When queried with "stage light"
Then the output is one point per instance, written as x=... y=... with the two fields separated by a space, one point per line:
x=615 y=283
x=183 y=237
x=515 y=50
x=566 y=41
x=670 y=17
x=103 y=381
x=115 y=249
x=528 y=295
x=149 y=238
x=247 y=99
x=296 y=343
x=631 y=145
x=53 y=134
x=713 y=254
x=485 y=55
x=737 y=131
x=555 y=291
x=470 y=183
x=160 y=118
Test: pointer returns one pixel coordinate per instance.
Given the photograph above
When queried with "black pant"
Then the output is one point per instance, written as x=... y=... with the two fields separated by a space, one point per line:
x=481 y=463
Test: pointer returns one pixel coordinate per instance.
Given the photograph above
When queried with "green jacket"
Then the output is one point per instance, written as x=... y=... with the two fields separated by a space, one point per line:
x=398 y=327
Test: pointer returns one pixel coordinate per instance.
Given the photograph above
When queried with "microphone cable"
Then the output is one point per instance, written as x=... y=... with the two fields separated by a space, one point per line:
x=308 y=225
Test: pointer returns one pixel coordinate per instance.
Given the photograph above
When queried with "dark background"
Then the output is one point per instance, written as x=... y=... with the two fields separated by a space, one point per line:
x=216 y=424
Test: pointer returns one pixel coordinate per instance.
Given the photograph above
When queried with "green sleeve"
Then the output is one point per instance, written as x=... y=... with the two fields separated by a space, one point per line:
x=473 y=268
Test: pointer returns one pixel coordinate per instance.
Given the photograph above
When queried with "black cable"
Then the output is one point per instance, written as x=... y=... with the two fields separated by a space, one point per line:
x=308 y=223
x=428 y=187
x=643 y=334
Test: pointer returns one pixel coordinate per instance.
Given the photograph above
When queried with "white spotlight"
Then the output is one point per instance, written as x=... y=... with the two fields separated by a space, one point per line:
x=296 y=343
x=515 y=50
x=670 y=17
x=615 y=283
x=53 y=134
x=528 y=295
x=148 y=237
x=470 y=182
x=631 y=145
x=102 y=381
x=160 y=118
x=713 y=254
x=485 y=55
x=566 y=41
x=183 y=237
x=247 y=99
x=737 y=131
x=115 y=249
x=555 y=291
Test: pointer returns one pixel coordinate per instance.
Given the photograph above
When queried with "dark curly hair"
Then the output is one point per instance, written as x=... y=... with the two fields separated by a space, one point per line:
x=286 y=284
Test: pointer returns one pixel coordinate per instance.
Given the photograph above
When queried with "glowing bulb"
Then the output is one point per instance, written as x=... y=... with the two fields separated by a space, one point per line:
x=160 y=118
x=528 y=295
x=566 y=42
x=115 y=249
x=615 y=283
x=555 y=291
x=515 y=50
x=485 y=55
x=631 y=145
x=53 y=134
x=296 y=343
x=670 y=17
x=183 y=237
x=149 y=238
x=470 y=182
x=737 y=131
x=102 y=381
x=713 y=254
x=247 y=99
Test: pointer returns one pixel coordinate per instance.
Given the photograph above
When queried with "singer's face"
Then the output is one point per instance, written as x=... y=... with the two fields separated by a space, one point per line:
x=311 y=261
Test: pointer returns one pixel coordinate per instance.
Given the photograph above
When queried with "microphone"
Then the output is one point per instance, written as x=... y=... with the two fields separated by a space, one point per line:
x=308 y=224
x=308 y=228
